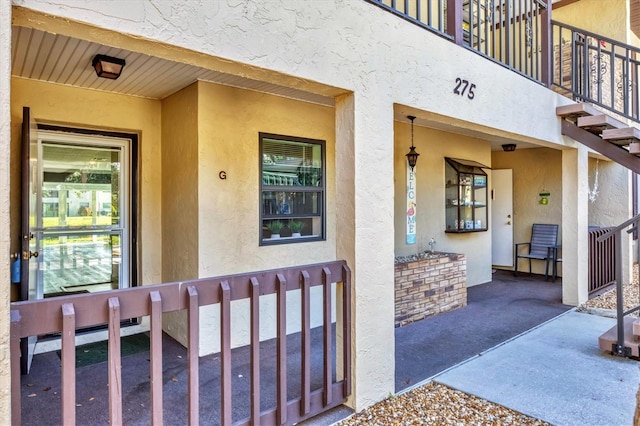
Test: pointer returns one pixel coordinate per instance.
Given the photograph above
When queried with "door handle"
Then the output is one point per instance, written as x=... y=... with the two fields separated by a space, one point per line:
x=509 y=223
x=26 y=255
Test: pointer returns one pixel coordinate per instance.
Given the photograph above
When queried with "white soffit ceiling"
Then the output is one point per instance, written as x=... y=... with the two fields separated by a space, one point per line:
x=40 y=55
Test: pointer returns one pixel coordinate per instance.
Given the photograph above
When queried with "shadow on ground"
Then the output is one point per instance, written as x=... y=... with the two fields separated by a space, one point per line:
x=495 y=312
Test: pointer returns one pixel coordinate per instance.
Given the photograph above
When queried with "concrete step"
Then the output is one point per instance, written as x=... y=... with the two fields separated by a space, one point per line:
x=610 y=337
x=636 y=327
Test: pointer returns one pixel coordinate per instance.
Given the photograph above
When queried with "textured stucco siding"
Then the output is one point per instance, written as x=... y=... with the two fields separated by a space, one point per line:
x=5 y=142
x=377 y=66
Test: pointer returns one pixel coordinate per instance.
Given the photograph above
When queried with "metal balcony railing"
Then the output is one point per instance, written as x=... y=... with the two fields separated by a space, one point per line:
x=628 y=226
x=513 y=33
x=592 y=68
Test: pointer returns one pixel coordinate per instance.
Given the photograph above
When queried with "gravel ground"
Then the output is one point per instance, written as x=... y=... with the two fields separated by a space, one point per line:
x=630 y=292
x=436 y=404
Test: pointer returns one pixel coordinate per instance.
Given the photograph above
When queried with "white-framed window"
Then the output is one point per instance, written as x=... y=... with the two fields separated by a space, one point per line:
x=292 y=189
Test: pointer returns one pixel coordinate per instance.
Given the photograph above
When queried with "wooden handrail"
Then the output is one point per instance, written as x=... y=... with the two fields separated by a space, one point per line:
x=67 y=314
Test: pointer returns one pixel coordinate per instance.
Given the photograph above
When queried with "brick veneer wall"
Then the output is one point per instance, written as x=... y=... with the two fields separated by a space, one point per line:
x=429 y=287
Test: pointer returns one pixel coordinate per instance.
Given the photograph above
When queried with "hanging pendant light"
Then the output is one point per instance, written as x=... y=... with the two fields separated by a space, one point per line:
x=412 y=156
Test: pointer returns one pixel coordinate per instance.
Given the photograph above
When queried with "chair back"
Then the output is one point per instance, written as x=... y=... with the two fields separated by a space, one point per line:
x=542 y=236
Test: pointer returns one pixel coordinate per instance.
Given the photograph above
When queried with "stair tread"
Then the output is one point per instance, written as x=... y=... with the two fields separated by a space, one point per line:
x=600 y=122
x=622 y=136
x=574 y=111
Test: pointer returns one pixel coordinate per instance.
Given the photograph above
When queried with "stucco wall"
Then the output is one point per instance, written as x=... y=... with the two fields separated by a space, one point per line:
x=333 y=48
x=229 y=120
x=64 y=105
x=612 y=204
x=180 y=185
x=179 y=197
x=608 y=208
x=608 y=18
x=434 y=146
x=534 y=169
x=5 y=227
x=211 y=225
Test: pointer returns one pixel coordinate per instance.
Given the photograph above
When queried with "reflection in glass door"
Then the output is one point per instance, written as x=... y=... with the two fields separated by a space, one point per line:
x=80 y=213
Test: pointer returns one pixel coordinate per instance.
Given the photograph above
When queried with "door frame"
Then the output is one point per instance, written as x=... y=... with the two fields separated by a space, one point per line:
x=30 y=130
x=133 y=186
x=497 y=222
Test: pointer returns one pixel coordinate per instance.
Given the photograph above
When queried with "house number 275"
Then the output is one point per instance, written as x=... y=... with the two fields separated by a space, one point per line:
x=462 y=86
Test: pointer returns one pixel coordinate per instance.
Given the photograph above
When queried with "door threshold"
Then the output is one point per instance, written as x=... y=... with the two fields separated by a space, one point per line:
x=55 y=343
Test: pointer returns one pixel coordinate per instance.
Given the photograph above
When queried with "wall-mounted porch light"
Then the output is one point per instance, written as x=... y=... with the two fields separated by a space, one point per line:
x=544 y=197
x=509 y=147
x=412 y=156
x=108 y=66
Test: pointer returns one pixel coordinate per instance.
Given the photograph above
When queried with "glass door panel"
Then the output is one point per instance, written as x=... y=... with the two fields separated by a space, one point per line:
x=80 y=226
x=80 y=262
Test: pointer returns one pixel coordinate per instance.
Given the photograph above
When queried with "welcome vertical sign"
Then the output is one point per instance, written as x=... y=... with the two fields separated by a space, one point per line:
x=411 y=205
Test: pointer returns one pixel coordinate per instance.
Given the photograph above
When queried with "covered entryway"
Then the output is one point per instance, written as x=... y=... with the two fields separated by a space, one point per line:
x=496 y=311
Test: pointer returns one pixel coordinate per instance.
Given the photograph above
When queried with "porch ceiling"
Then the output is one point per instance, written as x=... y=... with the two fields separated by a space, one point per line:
x=56 y=58
x=453 y=126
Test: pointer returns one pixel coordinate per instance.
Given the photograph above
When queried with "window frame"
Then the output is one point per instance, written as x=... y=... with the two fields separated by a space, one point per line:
x=320 y=190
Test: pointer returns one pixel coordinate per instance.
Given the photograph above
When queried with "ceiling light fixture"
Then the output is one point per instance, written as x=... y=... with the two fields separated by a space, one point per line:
x=108 y=66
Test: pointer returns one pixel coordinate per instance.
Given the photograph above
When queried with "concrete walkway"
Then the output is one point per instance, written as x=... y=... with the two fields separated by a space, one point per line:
x=554 y=372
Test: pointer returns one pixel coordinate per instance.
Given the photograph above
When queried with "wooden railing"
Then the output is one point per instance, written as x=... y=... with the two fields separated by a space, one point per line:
x=67 y=314
x=602 y=260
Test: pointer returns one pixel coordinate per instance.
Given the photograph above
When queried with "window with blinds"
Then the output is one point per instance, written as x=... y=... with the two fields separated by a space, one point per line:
x=292 y=189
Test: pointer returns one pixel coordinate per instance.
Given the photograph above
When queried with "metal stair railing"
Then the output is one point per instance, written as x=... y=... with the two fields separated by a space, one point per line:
x=589 y=67
x=619 y=348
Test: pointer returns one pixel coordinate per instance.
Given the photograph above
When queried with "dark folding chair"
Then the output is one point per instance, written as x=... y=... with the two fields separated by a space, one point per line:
x=543 y=237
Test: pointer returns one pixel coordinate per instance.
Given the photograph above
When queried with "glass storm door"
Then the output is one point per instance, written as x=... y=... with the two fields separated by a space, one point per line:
x=79 y=213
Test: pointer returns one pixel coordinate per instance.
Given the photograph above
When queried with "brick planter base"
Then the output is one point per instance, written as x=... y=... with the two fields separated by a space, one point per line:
x=430 y=286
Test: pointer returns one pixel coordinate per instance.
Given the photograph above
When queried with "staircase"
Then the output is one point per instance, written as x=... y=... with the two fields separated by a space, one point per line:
x=618 y=141
x=602 y=133
x=603 y=76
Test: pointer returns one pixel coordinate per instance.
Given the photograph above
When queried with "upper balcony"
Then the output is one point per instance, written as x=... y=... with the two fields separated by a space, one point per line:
x=520 y=35
x=513 y=33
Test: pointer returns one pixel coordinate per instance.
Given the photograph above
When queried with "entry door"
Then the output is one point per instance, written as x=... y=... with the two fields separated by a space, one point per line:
x=502 y=217
x=80 y=212
x=28 y=278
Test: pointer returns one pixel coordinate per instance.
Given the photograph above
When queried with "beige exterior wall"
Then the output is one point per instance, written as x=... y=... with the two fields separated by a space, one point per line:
x=613 y=204
x=5 y=203
x=377 y=65
x=179 y=197
x=608 y=206
x=229 y=120
x=575 y=225
x=211 y=225
x=434 y=146
x=180 y=185
x=610 y=20
x=68 y=106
